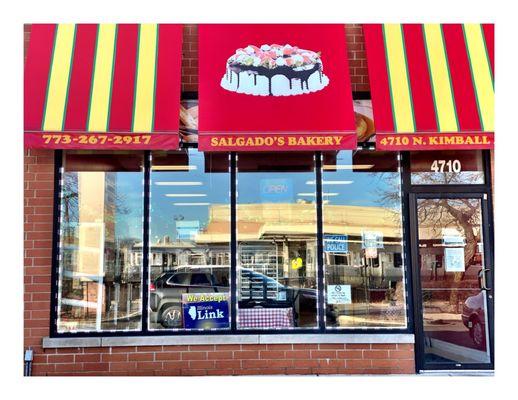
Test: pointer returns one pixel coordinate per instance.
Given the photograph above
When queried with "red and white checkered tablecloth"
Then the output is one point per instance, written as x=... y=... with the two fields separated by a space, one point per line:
x=265 y=318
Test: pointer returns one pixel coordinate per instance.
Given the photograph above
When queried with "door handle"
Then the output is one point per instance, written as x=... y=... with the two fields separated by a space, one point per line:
x=482 y=279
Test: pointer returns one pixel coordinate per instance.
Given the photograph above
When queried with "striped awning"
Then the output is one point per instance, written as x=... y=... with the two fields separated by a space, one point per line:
x=103 y=86
x=432 y=85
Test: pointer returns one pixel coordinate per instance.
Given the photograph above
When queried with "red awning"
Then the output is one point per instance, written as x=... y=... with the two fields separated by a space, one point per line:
x=274 y=87
x=103 y=86
x=431 y=85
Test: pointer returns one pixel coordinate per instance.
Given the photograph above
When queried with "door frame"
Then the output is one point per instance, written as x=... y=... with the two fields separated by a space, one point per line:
x=488 y=242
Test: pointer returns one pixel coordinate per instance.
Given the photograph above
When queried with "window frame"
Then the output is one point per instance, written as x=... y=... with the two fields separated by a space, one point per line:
x=406 y=188
x=405 y=256
x=59 y=161
x=484 y=171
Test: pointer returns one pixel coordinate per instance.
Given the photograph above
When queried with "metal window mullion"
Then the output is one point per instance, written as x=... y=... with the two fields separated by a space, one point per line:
x=145 y=241
x=405 y=182
x=233 y=243
x=320 y=248
x=58 y=163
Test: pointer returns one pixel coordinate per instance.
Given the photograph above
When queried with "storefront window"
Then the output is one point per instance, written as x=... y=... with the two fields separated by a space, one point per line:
x=363 y=254
x=189 y=242
x=277 y=247
x=446 y=167
x=100 y=265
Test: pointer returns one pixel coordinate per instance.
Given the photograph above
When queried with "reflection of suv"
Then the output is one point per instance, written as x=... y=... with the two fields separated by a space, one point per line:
x=473 y=317
x=166 y=291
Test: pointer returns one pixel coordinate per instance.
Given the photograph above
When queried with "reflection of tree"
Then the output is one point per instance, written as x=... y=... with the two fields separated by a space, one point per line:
x=69 y=203
x=446 y=178
x=387 y=189
x=387 y=193
x=463 y=214
x=436 y=214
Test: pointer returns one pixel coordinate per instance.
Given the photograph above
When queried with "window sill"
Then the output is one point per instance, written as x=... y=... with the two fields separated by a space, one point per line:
x=50 y=343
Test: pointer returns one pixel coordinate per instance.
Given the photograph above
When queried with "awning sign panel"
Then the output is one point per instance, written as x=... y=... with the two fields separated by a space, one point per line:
x=103 y=86
x=274 y=87
x=432 y=85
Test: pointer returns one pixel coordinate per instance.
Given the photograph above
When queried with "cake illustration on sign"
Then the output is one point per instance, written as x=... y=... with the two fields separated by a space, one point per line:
x=274 y=70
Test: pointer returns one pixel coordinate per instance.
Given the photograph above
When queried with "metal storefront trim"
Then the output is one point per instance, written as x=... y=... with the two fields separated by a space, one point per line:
x=449 y=372
x=49 y=343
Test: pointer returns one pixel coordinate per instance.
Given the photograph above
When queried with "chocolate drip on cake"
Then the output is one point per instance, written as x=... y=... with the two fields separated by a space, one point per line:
x=288 y=72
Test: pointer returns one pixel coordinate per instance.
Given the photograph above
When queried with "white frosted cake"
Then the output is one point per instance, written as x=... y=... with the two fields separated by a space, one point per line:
x=274 y=70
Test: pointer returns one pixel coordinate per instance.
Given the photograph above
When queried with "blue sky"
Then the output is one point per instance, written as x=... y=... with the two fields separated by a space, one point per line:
x=210 y=188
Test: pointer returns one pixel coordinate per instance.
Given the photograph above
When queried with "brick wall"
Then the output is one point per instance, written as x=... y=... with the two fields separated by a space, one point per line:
x=250 y=359
x=355 y=45
x=175 y=360
x=38 y=218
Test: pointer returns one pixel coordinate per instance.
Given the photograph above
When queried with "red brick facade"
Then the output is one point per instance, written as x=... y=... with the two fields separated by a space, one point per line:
x=232 y=359
x=38 y=219
x=245 y=359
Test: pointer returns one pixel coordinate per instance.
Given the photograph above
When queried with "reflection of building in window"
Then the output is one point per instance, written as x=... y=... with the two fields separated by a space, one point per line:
x=375 y=275
x=100 y=282
x=167 y=254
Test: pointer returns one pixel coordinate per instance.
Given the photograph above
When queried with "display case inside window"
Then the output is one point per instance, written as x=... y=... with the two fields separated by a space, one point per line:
x=100 y=264
x=276 y=241
x=362 y=240
x=189 y=241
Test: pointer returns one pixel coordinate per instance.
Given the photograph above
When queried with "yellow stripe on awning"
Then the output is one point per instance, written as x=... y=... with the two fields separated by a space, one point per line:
x=481 y=72
x=102 y=78
x=54 y=113
x=145 y=85
x=440 y=78
x=398 y=78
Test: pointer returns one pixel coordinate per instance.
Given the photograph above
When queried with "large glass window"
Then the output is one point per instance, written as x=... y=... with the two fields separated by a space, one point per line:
x=277 y=247
x=363 y=254
x=189 y=244
x=100 y=267
x=189 y=241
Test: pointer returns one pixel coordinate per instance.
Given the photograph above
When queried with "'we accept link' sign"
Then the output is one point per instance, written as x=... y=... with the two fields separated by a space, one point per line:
x=205 y=310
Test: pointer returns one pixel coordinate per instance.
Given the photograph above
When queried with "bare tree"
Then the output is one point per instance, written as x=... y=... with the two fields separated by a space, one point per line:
x=436 y=214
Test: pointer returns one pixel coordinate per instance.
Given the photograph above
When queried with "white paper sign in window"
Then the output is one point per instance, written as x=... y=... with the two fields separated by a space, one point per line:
x=338 y=294
x=454 y=259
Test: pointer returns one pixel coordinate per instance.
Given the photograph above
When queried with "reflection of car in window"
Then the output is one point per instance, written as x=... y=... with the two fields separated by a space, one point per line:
x=178 y=279
x=473 y=317
x=201 y=279
x=254 y=290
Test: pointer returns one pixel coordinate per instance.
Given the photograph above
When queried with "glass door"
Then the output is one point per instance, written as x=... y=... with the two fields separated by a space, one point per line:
x=453 y=275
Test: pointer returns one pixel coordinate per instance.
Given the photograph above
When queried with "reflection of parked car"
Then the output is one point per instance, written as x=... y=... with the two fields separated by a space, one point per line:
x=166 y=292
x=473 y=317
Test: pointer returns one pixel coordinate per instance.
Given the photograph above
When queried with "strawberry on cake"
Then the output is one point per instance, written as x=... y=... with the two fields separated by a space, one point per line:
x=274 y=70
